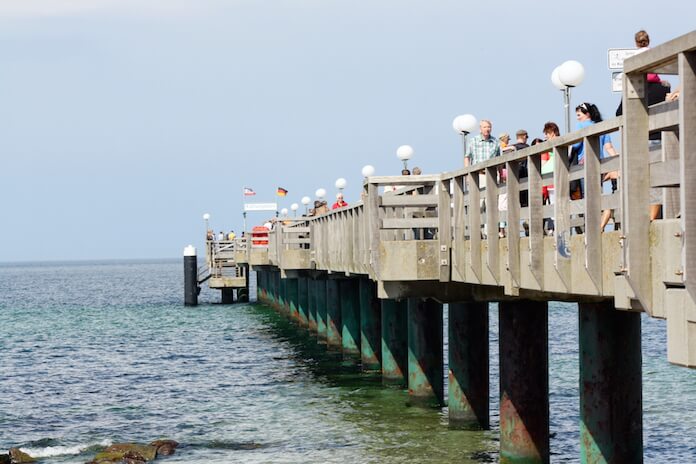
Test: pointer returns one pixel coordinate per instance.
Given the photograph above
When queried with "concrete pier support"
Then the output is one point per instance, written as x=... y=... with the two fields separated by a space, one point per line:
x=394 y=342
x=350 y=318
x=323 y=287
x=303 y=301
x=468 y=366
x=425 y=352
x=227 y=295
x=611 y=424
x=312 y=305
x=291 y=292
x=370 y=326
x=524 y=382
x=282 y=295
x=333 y=314
x=276 y=290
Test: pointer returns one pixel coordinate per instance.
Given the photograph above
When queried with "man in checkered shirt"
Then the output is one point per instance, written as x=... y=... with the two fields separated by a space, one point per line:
x=483 y=146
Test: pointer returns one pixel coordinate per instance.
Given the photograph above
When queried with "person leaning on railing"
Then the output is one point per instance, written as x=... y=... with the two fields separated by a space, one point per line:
x=587 y=115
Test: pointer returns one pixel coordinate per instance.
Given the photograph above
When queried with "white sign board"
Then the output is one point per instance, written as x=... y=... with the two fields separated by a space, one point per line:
x=616 y=56
x=260 y=206
x=617 y=81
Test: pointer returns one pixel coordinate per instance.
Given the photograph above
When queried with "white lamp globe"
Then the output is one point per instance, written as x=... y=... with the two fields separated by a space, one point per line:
x=404 y=152
x=206 y=216
x=556 y=80
x=306 y=200
x=368 y=170
x=284 y=211
x=571 y=73
x=340 y=183
x=464 y=123
x=294 y=207
x=320 y=193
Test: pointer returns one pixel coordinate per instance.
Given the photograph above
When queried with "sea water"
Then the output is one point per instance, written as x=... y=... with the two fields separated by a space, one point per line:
x=93 y=353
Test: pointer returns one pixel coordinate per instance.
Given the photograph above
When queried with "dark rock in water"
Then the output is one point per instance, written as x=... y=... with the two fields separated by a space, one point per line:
x=165 y=447
x=5 y=459
x=129 y=453
x=19 y=457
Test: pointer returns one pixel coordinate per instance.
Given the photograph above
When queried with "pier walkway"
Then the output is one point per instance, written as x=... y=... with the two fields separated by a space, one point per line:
x=364 y=279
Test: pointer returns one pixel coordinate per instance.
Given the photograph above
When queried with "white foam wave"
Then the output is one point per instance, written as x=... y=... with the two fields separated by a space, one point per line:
x=51 y=451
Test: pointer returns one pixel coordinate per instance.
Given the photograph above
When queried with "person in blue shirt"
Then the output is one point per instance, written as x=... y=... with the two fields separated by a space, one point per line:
x=588 y=114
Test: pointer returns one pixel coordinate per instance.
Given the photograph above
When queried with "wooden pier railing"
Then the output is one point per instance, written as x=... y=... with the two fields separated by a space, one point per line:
x=428 y=235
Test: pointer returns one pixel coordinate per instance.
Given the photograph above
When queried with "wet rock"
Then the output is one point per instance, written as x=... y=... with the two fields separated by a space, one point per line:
x=165 y=447
x=19 y=457
x=128 y=453
x=5 y=459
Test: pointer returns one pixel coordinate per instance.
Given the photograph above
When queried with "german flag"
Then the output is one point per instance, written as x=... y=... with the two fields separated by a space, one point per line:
x=281 y=192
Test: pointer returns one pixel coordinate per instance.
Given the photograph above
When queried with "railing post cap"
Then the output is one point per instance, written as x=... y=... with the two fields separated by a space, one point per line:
x=190 y=251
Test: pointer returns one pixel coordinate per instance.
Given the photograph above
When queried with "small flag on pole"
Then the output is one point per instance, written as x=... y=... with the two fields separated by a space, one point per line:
x=282 y=192
x=248 y=192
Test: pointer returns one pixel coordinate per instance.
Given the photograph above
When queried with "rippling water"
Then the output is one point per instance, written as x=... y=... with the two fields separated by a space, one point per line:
x=94 y=353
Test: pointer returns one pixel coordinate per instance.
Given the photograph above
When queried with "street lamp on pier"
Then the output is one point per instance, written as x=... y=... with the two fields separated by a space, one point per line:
x=294 y=208
x=404 y=153
x=305 y=202
x=206 y=218
x=464 y=124
x=564 y=77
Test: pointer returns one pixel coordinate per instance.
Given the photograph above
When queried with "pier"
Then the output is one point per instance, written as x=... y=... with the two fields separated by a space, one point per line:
x=365 y=282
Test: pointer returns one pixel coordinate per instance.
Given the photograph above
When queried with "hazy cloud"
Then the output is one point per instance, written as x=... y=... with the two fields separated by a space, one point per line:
x=48 y=8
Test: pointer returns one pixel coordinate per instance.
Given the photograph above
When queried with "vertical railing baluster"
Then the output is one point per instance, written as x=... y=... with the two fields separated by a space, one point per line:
x=492 y=222
x=562 y=213
x=593 y=210
x=474 y=214
x=513 y=224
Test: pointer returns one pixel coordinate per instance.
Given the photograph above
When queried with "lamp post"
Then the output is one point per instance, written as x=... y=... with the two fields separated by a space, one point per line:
x=206 y=218
x=305 y=202
x=294 y=208
x=569 y=74
x=404 y=153
x=284 y=212
x=464 y=124
x=320 y=193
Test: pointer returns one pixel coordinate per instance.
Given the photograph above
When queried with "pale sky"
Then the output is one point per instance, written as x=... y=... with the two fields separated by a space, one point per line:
x=123 y=121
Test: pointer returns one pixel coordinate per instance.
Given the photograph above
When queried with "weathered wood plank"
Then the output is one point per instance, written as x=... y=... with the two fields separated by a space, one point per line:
x=687 y=155
x=635 y=172
x=444 y=232
x=593 y=212
x=562 y=216
x=410 y=200
x=665 y=174
x=536 y=220
x=409 y=223
x=459 y=222
x=474 y=214
x=513 y=225
x=492 y=220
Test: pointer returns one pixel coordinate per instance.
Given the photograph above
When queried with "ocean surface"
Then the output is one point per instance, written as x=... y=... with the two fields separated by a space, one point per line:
x=93 y=353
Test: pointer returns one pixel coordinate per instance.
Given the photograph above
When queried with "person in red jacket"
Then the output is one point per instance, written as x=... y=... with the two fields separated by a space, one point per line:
x=339 y=202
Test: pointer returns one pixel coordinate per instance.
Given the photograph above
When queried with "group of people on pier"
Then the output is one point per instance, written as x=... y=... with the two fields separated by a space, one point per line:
x=220 y=236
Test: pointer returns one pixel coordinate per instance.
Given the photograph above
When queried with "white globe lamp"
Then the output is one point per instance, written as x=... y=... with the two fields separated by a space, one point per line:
x=404 y=153
x=368 y=170
x=464 y=124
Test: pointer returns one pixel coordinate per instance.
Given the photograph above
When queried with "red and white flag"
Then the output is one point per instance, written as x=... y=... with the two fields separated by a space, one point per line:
x=248 y=192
